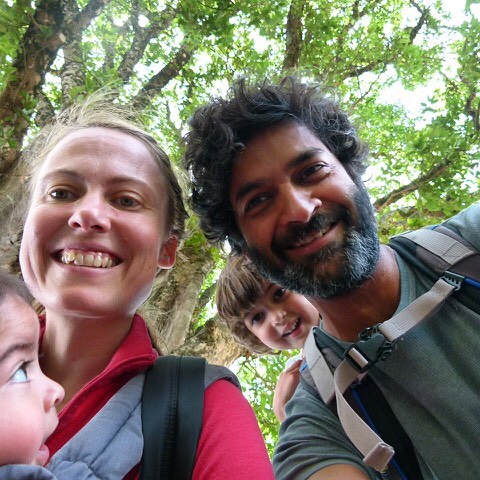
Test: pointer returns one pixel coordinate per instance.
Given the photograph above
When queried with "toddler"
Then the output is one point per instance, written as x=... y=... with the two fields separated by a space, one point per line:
x=265 y=317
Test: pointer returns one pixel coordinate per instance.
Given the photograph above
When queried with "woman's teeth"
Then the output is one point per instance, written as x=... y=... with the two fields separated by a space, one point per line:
x=87 y=259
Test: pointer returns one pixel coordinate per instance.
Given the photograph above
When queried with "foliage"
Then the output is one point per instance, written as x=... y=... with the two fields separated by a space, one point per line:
x=260 y=373
x=405 y=70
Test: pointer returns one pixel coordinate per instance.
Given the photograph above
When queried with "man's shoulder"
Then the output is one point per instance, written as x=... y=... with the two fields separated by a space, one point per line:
x=467 y=224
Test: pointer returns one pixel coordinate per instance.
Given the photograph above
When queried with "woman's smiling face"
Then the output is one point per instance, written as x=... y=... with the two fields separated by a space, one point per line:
x=96 y=232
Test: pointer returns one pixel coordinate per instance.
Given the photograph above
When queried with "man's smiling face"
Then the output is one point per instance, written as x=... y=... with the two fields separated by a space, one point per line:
x=306 y=224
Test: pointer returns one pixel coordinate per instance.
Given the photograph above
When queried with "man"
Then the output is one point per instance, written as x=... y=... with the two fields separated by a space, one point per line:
x=276 y=170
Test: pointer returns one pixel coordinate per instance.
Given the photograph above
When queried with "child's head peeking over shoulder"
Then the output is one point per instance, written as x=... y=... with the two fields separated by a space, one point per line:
x=27 y=397
x=262 y=315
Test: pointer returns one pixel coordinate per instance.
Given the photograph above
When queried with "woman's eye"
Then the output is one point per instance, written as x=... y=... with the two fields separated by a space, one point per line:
x=60 y=194
x=127 y=202
x=20 y=375
x=278 y=293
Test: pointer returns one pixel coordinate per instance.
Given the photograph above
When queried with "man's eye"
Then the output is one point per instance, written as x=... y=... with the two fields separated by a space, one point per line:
x=20 y=375
x=60 y=194
x=126 y=202
x=278 y=293
x=312 y=170
x=254 y=202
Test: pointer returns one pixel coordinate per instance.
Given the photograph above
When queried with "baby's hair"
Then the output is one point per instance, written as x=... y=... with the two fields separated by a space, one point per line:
x=238 y=290
x=11 y=285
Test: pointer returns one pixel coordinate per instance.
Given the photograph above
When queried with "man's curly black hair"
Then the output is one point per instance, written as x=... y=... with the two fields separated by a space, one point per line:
x=220 y=130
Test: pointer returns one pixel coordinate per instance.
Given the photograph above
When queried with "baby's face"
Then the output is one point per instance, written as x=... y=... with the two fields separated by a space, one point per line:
x=27 y=396
x=281 y=319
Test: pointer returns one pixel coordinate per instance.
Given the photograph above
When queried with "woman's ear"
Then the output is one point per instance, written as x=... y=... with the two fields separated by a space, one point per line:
x=168 y=252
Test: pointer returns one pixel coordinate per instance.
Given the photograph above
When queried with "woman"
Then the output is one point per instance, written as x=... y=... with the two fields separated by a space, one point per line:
x=106 y=215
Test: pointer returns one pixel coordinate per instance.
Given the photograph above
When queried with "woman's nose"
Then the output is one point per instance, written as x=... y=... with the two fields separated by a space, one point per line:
x=91 y=214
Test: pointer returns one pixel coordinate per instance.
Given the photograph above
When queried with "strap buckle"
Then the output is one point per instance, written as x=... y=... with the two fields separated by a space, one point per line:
x=454 y=279
x=371 y=347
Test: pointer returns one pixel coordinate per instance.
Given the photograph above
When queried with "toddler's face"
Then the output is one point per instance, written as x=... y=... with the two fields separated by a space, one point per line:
x=27 y=396
x=281 y=319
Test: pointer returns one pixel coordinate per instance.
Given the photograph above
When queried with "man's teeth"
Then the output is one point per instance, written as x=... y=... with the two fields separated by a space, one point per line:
x=87 y=259
x=292 y=328
x=313 y=236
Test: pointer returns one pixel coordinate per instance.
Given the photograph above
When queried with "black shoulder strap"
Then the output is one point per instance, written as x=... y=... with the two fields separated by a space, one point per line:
x=172 y=412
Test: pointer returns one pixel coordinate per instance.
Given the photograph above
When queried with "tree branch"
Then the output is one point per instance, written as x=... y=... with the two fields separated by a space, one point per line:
x=142 y=39
x=404 y=190
x=167 y=73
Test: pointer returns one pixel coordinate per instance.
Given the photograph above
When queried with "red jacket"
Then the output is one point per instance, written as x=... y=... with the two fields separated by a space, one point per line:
x=230 y=446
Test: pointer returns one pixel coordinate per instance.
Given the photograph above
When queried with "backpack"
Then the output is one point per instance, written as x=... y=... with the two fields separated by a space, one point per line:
x=172 y=402
x=453 y=266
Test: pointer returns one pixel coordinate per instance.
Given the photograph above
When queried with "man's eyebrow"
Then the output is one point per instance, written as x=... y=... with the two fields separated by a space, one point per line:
x=17 y=347
x=303 y=157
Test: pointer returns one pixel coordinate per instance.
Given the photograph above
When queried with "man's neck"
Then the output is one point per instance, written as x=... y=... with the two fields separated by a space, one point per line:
x=374 y=302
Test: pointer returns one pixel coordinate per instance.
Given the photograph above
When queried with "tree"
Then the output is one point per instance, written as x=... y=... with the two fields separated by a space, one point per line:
x=167 y=58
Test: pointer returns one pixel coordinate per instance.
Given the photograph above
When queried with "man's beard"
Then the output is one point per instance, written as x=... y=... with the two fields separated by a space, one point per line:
x=355 y=260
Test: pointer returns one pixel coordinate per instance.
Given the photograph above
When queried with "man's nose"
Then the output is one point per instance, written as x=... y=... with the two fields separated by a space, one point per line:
x=297 y=205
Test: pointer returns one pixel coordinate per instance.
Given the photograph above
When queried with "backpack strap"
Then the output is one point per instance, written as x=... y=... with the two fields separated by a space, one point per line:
x=172 y=412
x=447 y=255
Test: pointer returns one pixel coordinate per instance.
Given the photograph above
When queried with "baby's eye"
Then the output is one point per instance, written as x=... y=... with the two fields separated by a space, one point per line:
x=126 y=202
x=278 y=294
x=20 y=375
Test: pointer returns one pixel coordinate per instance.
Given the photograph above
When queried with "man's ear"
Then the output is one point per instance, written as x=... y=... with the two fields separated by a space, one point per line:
x=168 y=252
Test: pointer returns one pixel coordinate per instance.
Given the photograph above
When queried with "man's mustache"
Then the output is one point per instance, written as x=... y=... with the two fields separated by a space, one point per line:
x=298 y=233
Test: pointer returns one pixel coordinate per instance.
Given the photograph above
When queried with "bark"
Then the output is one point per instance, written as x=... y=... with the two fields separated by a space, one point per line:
x=174 y=298
x=13 y=204
x=40 y=45
x=213 y=342
x=43 y=38
x=294 y=34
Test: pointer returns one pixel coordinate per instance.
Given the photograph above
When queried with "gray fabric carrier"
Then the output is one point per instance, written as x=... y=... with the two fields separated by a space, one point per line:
x=110 y=444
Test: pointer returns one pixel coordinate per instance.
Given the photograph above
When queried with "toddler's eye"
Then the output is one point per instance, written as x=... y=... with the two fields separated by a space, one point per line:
x=257 y=318
x=20 y=375
x=278 y=293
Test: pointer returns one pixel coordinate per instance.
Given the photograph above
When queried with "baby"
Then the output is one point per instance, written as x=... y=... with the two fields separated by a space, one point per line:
x=264 y=317
x=27 y=397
